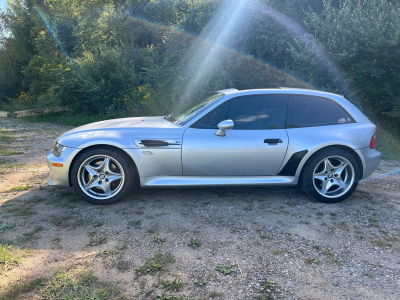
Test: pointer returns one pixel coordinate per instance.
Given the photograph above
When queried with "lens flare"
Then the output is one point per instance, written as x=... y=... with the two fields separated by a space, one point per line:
x=309 y=40
x=213 y=43
x=70 y=62
x=382 y=176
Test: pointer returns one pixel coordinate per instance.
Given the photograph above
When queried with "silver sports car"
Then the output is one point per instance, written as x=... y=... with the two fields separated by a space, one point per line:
x=265 y=137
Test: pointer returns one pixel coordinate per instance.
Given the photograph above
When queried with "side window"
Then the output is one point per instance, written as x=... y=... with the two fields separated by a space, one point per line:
x=310 y=111
x=258 y=112
x=211 y=120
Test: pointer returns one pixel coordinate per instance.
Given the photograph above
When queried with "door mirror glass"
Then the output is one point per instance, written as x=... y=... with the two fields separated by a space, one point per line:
x=224 y=125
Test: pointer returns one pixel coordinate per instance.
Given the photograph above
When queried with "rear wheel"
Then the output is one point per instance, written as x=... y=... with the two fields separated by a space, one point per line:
x=102 y=175
x=331 y=175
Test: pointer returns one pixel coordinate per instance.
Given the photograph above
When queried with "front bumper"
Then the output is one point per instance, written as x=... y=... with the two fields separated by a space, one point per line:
x=59 y=176
x=371 y=159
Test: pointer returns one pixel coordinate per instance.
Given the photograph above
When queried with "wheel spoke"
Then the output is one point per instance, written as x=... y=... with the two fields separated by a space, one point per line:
x=105 y=186
x=91 y=184
x=340 y=183
x=320 y=176
x=105 y=165
x=91 y=170
x=114 y=177
x=339 y=170
x=325 y=169
x=326 y=186
x=328 y=166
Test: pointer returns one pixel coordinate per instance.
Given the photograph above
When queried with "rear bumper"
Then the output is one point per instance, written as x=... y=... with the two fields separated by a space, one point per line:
x=59 y=176
x=371 y=159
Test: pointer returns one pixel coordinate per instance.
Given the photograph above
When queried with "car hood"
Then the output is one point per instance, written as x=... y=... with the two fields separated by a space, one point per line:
x=125 y=123
x=121 y=132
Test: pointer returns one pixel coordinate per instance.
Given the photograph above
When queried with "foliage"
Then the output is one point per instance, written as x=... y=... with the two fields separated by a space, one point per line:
x=174 y=285
x=109 y=58
x=63 y=285
x=156 y=264
x=226 y=270
x=10 y=256
x=195 y=243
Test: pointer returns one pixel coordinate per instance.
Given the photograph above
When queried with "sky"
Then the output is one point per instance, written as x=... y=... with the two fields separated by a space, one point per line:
x=3 y=4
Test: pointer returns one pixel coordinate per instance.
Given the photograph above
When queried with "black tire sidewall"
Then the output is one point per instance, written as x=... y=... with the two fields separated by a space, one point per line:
x=306 y=178
x=119 y=156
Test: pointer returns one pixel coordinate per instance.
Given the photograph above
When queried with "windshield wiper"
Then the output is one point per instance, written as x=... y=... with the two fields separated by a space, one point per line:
x=167 y=117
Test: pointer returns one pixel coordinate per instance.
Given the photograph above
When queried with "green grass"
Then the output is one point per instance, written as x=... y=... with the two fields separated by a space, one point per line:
x=156 y=264
x=158 y=240
x=11 y=256
x=137 y=224
x=8 y=168
x=19 y=188
x=27 y=236
x=8 y=152
x=6 y=138
x=66 y=118
x=195 y=243
x=388 y=144
x=14 y=292
x=174 y=285
x=19 y=210
x=6 y=226
x=226 y=270
x=64 y=286
x=22 y=239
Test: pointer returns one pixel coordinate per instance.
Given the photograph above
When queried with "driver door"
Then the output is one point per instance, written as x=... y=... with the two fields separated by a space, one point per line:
x=256 y=146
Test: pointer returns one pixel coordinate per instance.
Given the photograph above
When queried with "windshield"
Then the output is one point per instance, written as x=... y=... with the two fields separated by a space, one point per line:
x=182 y=118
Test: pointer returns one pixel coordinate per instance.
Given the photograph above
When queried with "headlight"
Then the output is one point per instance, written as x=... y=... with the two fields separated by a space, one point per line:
x=58 y=149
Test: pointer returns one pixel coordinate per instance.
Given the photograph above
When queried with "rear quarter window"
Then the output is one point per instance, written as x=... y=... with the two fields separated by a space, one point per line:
x=311 y=111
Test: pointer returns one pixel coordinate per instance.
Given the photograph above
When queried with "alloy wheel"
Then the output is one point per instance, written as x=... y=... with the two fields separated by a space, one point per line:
x=101 y=177
x=333 y=176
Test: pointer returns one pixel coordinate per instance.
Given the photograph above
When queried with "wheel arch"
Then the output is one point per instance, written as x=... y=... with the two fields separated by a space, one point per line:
x=120 y=150
x=343 y=147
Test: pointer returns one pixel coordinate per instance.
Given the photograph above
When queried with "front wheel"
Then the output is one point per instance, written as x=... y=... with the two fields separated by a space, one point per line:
x=102 y=175
x=330 y=175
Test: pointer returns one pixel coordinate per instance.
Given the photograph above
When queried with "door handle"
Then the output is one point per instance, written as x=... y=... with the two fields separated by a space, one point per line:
x=272 y=141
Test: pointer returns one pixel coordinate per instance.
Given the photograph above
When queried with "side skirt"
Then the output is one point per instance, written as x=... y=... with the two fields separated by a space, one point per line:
x=216 y=181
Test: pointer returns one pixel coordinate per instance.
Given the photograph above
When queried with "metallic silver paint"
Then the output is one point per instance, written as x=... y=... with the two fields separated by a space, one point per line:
x=353 y=135
x=201 y=181
x=59 y=176
x=163 y=162
x=370 y=158
x=241 y=153
x=224 y=125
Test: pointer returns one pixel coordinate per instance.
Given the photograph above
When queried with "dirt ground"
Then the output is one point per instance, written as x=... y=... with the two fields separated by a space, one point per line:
x=274 y=242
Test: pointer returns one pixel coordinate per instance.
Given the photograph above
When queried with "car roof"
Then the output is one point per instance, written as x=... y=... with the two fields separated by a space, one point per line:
x=280 y=90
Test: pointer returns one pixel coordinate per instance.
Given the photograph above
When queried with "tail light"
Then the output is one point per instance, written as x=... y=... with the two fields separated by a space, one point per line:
x=373 y=141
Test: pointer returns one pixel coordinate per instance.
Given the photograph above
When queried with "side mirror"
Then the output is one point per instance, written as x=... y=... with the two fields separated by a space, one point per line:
x=224 y=125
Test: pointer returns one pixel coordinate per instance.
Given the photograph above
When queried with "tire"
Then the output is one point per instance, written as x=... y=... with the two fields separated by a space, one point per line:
x=107 y=173
x=330 y=175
